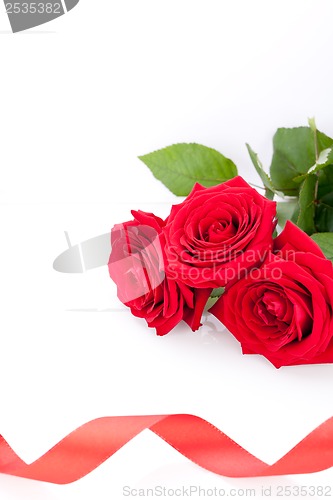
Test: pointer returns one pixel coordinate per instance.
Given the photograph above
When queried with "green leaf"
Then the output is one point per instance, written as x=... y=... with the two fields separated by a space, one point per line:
x=295 y=215
x=324 y=160
x=325 y=181
x=180 y=166
x=324 y=205
x=285 y=211
x=294 y=154
x=325 y=241
x=217 y=292
x=261 y=172
x=324 y=218
x=324 y=213
x=307 y=196
x=323 y=141
x=312 y=125
x=214 y=297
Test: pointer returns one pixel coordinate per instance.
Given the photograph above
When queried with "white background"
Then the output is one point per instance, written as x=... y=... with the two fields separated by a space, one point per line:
x=80 y=99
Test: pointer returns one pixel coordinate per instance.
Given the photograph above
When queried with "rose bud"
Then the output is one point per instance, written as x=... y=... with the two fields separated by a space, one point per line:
x=139 y=268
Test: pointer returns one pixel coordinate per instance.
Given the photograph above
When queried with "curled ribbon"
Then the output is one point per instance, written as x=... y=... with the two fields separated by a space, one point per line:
x=84 y=449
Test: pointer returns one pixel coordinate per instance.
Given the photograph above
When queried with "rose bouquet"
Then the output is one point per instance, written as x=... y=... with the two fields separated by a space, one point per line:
x=273 y=292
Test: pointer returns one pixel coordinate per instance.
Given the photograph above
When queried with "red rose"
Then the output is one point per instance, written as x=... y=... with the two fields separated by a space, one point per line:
x=138 y=267
x=284 y=309
x=218 y=233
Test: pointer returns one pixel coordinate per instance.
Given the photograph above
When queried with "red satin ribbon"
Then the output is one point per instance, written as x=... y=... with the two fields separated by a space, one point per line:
x=84 y=449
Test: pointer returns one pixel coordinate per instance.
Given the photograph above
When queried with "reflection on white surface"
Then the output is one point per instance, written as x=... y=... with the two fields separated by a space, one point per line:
x=84 y=256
